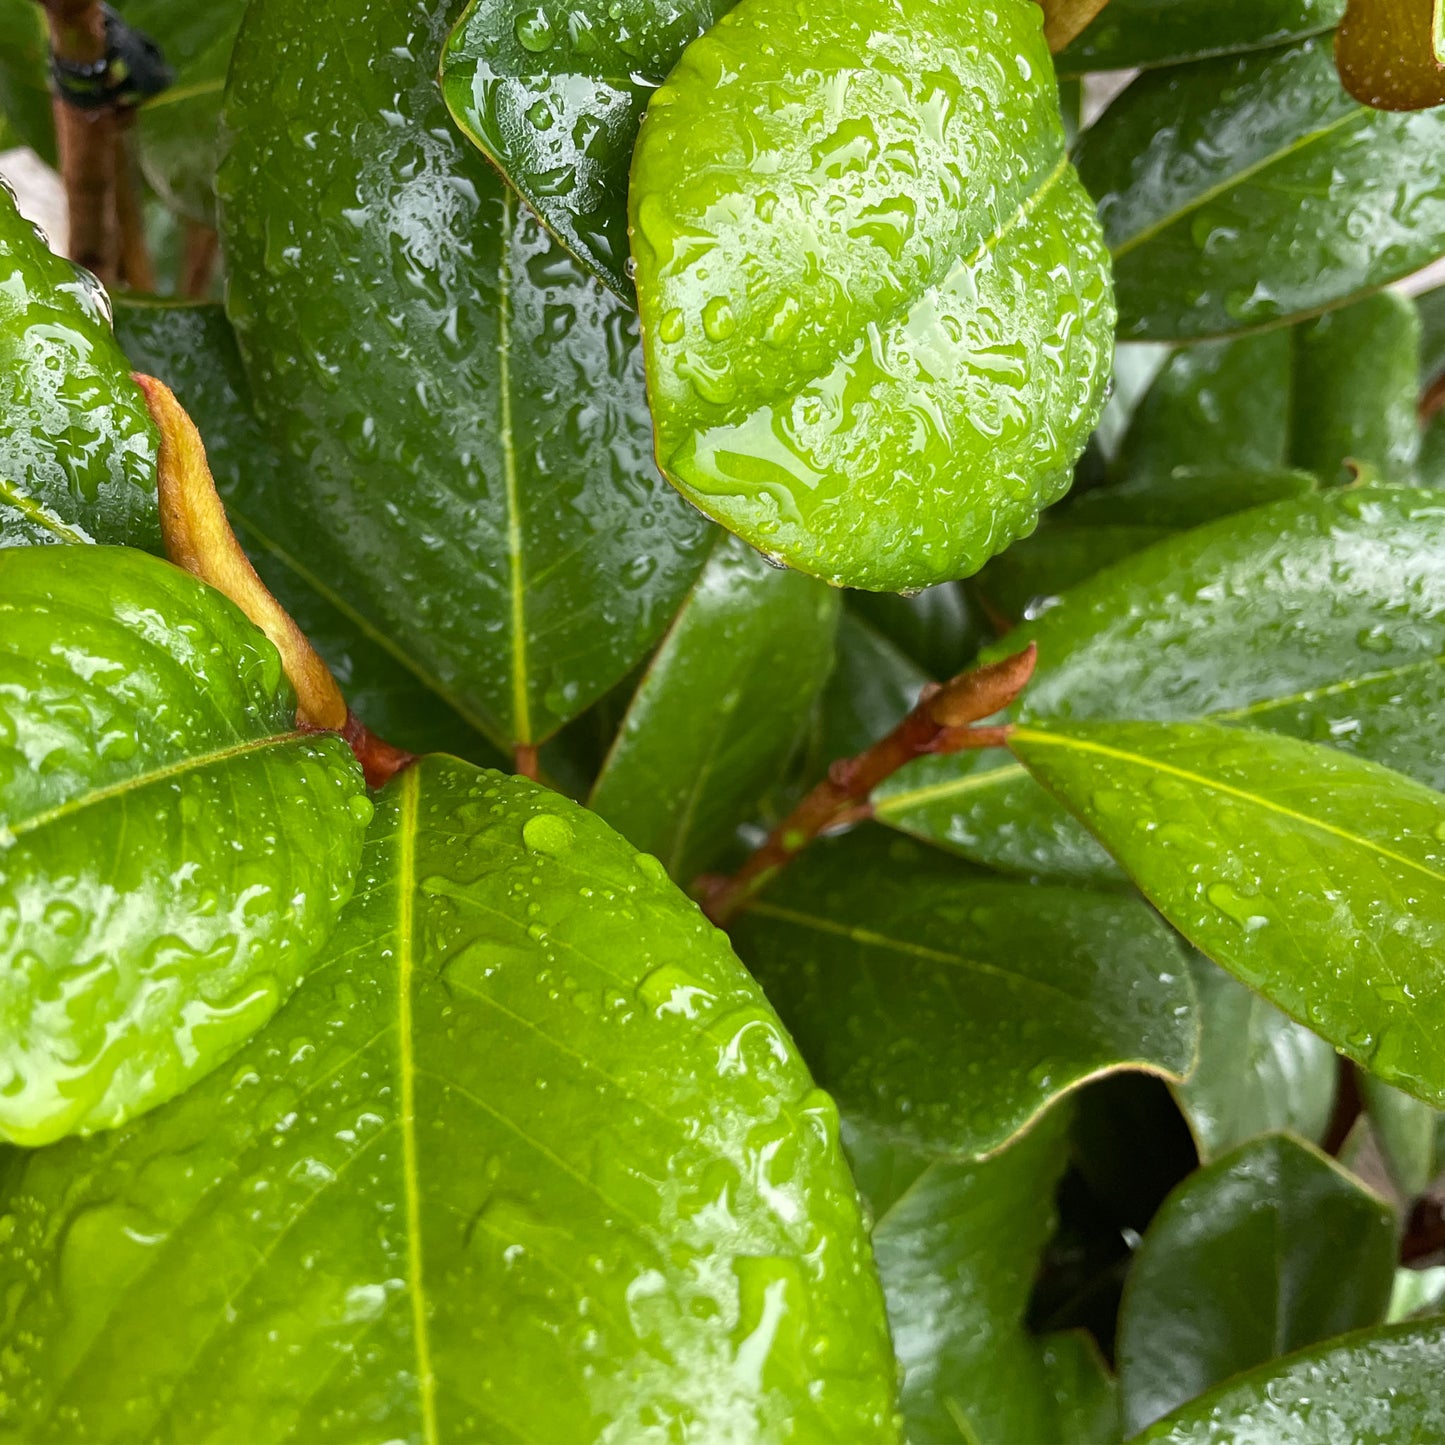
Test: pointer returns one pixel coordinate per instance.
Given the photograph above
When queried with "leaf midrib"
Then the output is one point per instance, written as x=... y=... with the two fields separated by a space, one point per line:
x=33 y=511
x=506 y=441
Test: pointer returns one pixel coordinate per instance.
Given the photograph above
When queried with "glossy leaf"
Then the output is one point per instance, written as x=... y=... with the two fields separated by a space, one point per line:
x=1431 y=309
x=1269 y=1250
x=1258 y=1071
x=1389 y=53
x=527 y=1158
x=872 y=688
x=469 y=418
x=1404 y=1128
x=1312 y=876
x=1242 y=192
x=1376 y=1386
x=953 y=1007
x=1146 y=34
x=1323 y=618
x=876 y=313
x=173 y=853
x=721 y=709
x=77 y=446
x=937 y=628
x=554 y=95
x=190 y=346
x=24 y=77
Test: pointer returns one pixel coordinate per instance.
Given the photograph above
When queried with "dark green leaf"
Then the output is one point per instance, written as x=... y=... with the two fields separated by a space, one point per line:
x=554 y=94
x=1377 y=1386
x=77 y=446
x=25 y=77
x=1404 y=1128
x=1323 y=618
x=190 y=347
x=173 y=854
x=1086 y=1396
x=721 y=709
x=872 y=688
x=952 y=1007
x=1312 y=876
x=936 y=628
x=1431 y=466
x=1269 y=1250
x=466 y=405
x=528 y=1158
x=1258 y=1072
x=875 y=308
x=1242 y=192
x=1431 y=309
x=1134 y=34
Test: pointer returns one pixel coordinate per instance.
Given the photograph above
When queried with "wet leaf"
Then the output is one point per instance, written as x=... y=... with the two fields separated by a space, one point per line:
x=721 y=709
x=25 y=77
x=1389 y=53
x=190 y=346
x=953 y=1007
x=1311 y=875
x=937 y=628
x=1322 y=618
x=1269 y=1250
x=469 y=415
x=1145 y=34
x=1379 y=1384
x=1404 y=1128
x=77 y=447
x=1245 y=191
x=872 y=688
x=1258 y=1072
x=526 y=1157
x=173 y=853
x=876 y=314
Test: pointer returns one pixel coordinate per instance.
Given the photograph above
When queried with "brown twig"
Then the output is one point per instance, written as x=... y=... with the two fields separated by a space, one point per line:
x=942 y=722
x=198 y=269
x=1432 y=403
x=524 y=762
x=135 y=267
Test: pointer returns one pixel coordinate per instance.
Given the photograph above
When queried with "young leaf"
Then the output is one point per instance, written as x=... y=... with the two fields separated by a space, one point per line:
x=1222 y=191
x=465 y=406
x=1388 y=53
x=720 y=710
x=1270 y=1249
x=1145 y=34
x=1312 y=876
x=876 y=312
x=173 y=853
x=1258 y=1071
x=901 y=971
x=1381 y=1384
x=1323 y=618
x=77 y=447
x=527 y=1158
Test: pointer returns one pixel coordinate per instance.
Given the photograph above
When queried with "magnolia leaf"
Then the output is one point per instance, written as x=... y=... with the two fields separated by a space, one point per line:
x=1389 y=53
x=1220 y=187
x=1404 y=1129
x=1312 y=876
x=720 y=710
x=1224 y=622
x=938 y=628
x=527 y=1157
x=1270 y=1249
x=469 y=423
x=24 y=77
x=173 y=853
x=873 y=687
x=876 y=313
x=902 y=971
x=77 y=446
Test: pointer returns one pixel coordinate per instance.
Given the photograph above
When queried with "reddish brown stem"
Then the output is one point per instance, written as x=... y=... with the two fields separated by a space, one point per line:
x=942 y=722
x=1433 y=401
x=524 y=762
x=135 y=269
x=198 y=269
x=380 y=760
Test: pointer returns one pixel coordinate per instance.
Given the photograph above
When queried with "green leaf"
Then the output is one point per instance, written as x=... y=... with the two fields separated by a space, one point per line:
x=1086 y=1395
x=527 y=1158
x=1230 y=620
x=1312 y=876
x=876 y=313
x=872 y=688
x=1431 y=309
x=1219 y=187
x=554 y=95
x=469 y=417
x=25 y=77
x=77 y=446
x=937 y=628
x=1405 y=1129
x=1147 y=34
x=721 y=709
x=1270 y=1249
x=173 y=854
x=902 y=971
x=190 y=346
x=1258 y=1072
x=1379 y=1385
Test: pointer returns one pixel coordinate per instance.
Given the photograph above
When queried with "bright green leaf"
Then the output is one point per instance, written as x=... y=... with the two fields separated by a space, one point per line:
x=1312 y=876
x=173 y=853
x=1242 y=192
x=466 y=406
x=528 y=1157
x=875 y=309
x=1270 y=1249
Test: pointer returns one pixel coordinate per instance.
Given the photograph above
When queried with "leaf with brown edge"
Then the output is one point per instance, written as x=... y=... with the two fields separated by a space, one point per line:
x=1389 y=53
